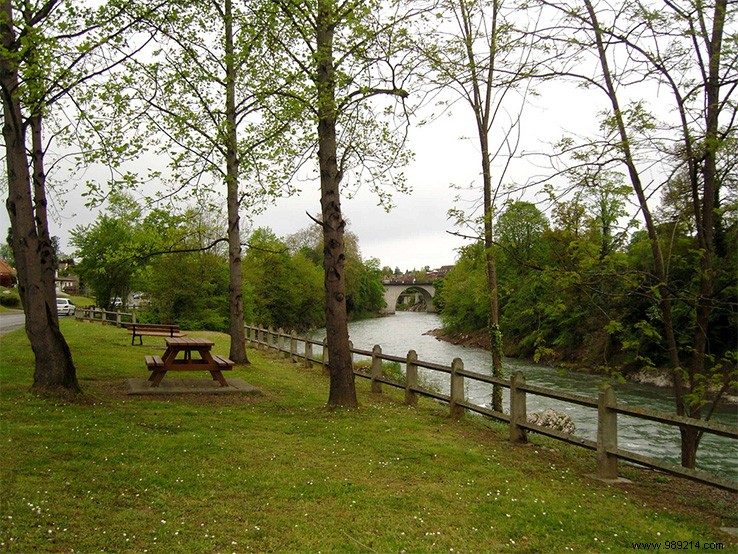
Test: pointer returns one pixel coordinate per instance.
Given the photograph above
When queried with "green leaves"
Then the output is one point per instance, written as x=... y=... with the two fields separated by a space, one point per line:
x=285 y=290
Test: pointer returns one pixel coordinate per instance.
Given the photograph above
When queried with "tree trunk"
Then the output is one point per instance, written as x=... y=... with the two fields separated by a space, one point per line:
x=495 y=333
x=482 y=107
x=54 y=369
x=235 y=287
x=704 y=217
x=682 y=388
x=342 y=387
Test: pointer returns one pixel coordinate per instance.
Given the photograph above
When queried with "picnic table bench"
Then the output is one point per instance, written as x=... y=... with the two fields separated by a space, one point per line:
x=152 y=330
x=214 y=363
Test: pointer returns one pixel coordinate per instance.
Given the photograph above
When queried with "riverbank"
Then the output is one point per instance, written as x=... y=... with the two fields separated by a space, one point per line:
x=659 y=378
x=278 y=472
x=477 y=339
x=480 y=339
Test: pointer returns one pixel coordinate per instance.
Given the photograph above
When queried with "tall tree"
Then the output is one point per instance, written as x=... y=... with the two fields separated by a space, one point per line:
x=26 y=205
x=348 y=54
x=209 y=95
x=107 y=251
x=480 y=56
x=687 y=50
x=47 y=50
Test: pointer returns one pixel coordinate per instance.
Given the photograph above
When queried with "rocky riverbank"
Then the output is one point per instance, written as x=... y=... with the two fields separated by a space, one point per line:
x=480 y=339
x=477 y=339
x=654 y=377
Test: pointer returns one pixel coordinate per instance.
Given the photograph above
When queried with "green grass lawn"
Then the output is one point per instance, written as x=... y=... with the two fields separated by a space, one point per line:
x=278 y=472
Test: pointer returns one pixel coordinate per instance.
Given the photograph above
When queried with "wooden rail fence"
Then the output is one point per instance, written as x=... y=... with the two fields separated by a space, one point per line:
x=606 y=445
x=103 y=316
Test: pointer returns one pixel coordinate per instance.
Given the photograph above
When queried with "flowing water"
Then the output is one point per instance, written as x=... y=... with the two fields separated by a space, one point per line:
x=405 y=331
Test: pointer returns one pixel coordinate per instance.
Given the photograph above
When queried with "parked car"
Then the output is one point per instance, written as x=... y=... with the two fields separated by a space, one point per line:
x=138 y=300
x=64 y=306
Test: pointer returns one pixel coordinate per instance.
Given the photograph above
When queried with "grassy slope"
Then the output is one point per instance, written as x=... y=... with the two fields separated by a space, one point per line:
x=280 y=473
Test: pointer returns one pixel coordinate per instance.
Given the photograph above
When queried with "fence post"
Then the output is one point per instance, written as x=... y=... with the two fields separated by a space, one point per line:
x=270 y=338
x=326 y=354
x=457 y=389
x=117 y=319
x=518 y=410
x=411 y=378
x=308 y=352
x=293 y=347
x=280 y=341
x=607 y=435
x=376 y=369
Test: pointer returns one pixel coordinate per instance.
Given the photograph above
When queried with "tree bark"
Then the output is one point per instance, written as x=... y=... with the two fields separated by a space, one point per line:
x=342 y=386
x=495 y=333
x=54 y=370
x=235 y=287
x=703 y=202
x=704 y=215
x=482 y=107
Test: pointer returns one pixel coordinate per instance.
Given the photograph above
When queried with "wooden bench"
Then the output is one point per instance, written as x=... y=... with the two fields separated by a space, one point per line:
x=223 y=362
x=153 y=362
x=152 y=330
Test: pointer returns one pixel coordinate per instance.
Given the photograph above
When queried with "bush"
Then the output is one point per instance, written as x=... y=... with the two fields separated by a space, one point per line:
x=9 y=298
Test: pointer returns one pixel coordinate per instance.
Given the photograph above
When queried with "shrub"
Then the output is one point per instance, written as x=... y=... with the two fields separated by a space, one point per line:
x=9 y=298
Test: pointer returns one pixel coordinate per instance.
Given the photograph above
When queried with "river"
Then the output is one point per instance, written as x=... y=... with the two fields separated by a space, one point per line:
x=405 y=331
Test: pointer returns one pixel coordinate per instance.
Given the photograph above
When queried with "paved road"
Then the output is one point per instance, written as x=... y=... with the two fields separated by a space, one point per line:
x=10 y=321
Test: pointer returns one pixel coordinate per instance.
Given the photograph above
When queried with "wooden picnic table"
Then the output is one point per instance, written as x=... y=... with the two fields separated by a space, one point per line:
x=172 y=361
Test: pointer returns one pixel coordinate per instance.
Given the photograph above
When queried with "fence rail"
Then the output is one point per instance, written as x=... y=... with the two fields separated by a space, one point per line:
x=103 y=316
x=607 y=408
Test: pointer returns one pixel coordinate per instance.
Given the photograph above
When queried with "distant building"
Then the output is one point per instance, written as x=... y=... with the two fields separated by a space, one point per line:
x=412 y=278
x=64 y=281
x=7 y=274
x=68 y=284
x=440 y=272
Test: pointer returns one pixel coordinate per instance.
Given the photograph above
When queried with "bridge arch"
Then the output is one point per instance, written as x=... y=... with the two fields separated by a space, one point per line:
x=393 y=290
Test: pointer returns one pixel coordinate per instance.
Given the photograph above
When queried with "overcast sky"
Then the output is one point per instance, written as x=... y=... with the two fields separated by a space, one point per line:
x=415 y=233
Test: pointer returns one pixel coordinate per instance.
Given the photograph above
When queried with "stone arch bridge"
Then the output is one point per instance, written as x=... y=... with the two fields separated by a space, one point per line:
x=393 y=289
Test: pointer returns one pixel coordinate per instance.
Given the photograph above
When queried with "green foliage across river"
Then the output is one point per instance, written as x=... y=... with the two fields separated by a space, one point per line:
x=578 y=290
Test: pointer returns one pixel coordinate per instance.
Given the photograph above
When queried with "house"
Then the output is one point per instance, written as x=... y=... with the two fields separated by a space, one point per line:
x=440 y=272
x=68 y=284
x=65 y=281
x=7 y=274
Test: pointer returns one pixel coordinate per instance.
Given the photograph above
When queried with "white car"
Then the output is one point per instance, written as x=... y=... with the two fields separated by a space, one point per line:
x=64 y=306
